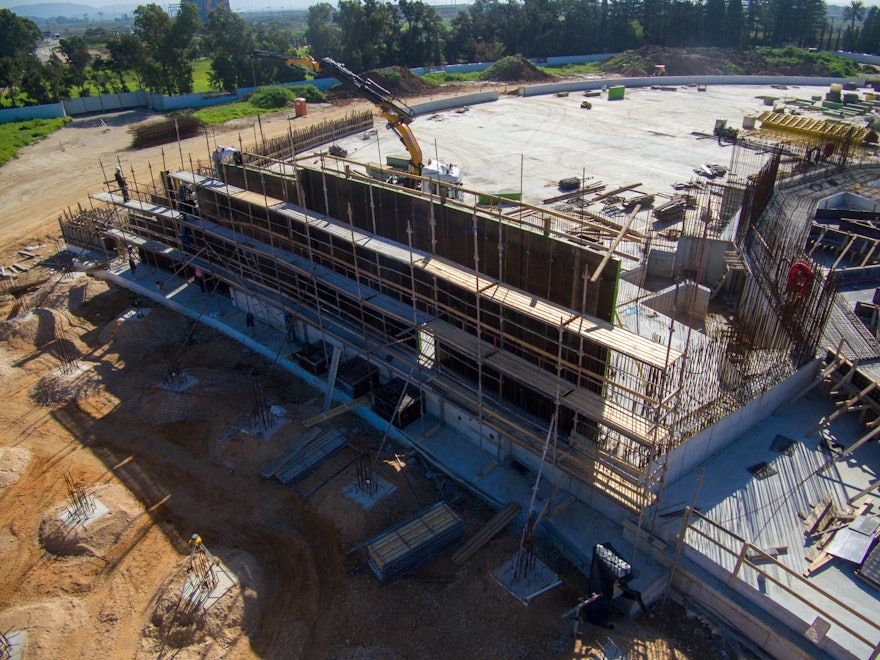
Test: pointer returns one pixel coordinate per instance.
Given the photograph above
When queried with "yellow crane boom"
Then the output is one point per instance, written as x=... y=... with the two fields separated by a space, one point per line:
x=396 y=113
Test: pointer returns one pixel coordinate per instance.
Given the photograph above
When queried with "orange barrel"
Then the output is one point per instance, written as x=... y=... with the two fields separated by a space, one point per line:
x=299 y=106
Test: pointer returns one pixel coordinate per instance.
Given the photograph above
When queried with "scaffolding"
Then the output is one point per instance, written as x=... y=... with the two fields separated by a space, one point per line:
x=505 y=316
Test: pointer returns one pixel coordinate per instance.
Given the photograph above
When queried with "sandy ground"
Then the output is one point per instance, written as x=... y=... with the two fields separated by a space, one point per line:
x=81 y=402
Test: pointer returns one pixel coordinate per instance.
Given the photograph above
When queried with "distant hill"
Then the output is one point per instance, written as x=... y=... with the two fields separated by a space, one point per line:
x=71 y=10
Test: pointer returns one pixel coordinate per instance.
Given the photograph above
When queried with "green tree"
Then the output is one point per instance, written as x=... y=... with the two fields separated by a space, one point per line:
x=126 y=51
x=734 y=24
x=229 y=42
x=18 y=41
x=169 y=47
x=368 y=33
x=322 y=34
x=18 y=35
x=854 y=11
x=714 y=23
x=33 y=82
x=76 y=50
x=421 y=41
x=869 y=37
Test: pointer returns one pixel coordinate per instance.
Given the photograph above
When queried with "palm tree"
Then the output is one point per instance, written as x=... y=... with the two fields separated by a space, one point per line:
x=854 y=12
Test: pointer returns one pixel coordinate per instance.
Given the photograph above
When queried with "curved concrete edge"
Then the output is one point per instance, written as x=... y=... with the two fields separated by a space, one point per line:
x=219 y=325
x=678 y=81
x=454 y=102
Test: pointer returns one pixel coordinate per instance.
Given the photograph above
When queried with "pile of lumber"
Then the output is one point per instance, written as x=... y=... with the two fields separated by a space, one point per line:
x=414 y=542
x=672 y=210
x=165 y=131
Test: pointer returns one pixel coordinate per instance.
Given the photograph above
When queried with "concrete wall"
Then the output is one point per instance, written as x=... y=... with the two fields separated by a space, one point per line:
x=752 y=625
x=454 y=102
x=691 y=251
x=661 y=263
x=49 y=111
x=105 y=103
x=677 y=299
x=709 y=442
x=861 y=58
x=581 y=85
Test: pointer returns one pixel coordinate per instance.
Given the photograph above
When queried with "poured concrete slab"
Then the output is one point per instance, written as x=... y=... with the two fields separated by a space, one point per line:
x=536 y=141
x=527 y=587
x=192 y=594
x=17 y=642
x=367 y=500
x=263 y=432
x=73 y=518
x=183 y=383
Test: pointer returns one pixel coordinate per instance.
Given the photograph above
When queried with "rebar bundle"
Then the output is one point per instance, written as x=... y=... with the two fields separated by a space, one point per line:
x=82 y=504
x=66 y=353
x=260 y=412
x=366 y=478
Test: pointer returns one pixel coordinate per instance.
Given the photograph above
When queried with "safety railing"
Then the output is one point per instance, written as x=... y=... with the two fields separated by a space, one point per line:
x=802 y=589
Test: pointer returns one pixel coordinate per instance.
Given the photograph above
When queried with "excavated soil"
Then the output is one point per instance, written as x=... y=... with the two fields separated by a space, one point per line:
x=400 y=81
x=96 y=536
x=13 y=463
x=706 y=61
x=189 y=630
x=515 y=68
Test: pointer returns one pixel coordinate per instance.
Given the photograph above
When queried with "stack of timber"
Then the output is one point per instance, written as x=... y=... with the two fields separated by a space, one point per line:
x=674 y=209
x=304 y=455
x=414 y=542
x=498 y=522
x=165 y=131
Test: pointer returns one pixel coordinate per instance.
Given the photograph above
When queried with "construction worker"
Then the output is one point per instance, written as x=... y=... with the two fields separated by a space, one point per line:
x=122 y=183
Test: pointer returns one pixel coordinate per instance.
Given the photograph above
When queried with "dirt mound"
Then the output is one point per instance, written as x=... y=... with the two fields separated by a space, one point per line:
x=194 y=631
x=13 y=463
x=60 y=387
x=399 y=81
x=98 y=535
x=33 y=329
x=515 y=68
x=49 y=624
x=71 y=294
x=719 y=61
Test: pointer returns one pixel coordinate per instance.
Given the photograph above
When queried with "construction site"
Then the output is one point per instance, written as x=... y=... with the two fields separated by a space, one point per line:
x=637 y=323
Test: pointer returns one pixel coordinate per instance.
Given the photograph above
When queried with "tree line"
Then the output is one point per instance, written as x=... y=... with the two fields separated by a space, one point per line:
x=157 y=54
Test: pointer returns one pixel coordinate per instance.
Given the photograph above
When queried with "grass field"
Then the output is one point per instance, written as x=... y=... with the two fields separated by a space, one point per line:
x=219 y=113
x=17 y=134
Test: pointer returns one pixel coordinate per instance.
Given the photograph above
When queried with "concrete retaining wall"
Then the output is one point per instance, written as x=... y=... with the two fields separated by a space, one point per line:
x=708 y=256
x=454 y=102
x=661 y=263
x=677 y=81
x=715 y=438
x=677 y=299
x=753 y=626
